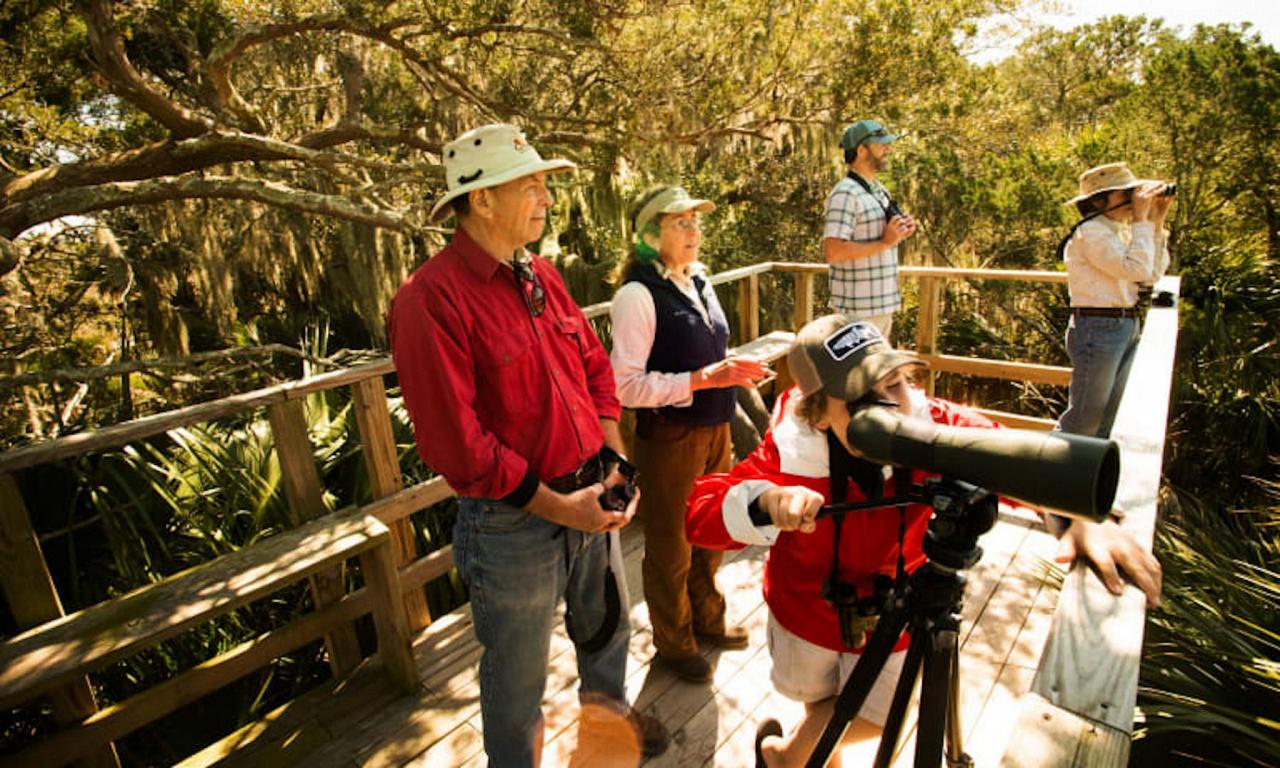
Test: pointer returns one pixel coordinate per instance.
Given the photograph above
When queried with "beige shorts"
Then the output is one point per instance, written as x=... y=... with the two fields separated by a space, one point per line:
x=807 y=672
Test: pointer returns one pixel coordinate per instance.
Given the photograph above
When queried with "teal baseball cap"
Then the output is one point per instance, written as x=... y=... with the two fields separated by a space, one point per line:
x=866 y=132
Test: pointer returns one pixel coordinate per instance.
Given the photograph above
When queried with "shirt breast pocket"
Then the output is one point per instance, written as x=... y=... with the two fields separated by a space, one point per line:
x=506 y=382
x=571 y=329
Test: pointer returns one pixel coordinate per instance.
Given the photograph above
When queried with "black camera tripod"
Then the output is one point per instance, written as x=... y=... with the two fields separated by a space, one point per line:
x=928 y=604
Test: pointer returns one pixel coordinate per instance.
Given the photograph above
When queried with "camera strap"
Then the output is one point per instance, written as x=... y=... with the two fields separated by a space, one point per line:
x=857 y=617
x=866 y=185
x=612 y=603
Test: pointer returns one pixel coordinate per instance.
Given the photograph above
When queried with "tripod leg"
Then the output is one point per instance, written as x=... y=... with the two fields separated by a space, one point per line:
x=956 y=758
x=901 y=698
x=858 y=685
x=935 y=690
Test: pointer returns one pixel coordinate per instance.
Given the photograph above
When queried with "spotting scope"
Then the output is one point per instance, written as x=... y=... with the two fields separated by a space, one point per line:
x=1063 y=473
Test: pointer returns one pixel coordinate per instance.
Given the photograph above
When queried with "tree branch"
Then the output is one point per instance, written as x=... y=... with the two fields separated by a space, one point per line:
x=19 y=217
x=172 y=158
x=108 y=50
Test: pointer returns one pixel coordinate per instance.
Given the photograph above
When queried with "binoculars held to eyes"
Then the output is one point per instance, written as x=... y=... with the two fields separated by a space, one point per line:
x=1170 y=190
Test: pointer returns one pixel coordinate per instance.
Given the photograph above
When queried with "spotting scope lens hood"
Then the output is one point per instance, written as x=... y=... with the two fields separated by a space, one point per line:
x=1068 y=474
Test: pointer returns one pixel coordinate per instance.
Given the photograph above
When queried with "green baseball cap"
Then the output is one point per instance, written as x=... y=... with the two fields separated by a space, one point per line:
x=843 y=357
x=667 y=198
x=866 y=132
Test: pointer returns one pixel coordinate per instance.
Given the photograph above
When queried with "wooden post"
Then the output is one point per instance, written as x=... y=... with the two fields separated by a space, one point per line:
x=306 y=501
x=383 y=465
x=927 y=324
x=749 y=308
x=802 y=313
x=389 y=619
x=33 y=599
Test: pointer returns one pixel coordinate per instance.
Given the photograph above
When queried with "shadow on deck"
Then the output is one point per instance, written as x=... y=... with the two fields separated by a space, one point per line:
x=364 y=721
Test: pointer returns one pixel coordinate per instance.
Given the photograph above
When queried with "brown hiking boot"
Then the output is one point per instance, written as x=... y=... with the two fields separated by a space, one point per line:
x=653 y=734
x=733 y=638
x=609 y=726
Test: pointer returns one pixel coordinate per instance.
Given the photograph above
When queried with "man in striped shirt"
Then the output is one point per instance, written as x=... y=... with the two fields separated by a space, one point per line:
x=863 y=228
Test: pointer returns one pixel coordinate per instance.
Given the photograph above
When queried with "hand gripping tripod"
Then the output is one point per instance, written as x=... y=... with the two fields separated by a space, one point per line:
x=928 y=604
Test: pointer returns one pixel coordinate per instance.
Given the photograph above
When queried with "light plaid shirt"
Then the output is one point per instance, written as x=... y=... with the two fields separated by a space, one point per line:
x=865 y=287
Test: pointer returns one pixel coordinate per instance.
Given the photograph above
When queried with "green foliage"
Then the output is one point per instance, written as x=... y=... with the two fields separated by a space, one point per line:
x=1210 y=683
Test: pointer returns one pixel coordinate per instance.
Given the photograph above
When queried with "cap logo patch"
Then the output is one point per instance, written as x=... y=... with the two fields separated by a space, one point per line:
x=850 y=339
x=521 y=144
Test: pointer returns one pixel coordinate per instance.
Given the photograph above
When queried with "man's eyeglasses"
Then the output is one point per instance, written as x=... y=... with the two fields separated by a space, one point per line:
x=530 y=287
x=688 y=225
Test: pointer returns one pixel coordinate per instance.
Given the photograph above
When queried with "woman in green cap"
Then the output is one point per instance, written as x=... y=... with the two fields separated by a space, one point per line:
x=670 y=362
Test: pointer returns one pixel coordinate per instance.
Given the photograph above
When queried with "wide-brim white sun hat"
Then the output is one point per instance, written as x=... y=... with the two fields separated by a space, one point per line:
x=486 y=157
x=1106 y=178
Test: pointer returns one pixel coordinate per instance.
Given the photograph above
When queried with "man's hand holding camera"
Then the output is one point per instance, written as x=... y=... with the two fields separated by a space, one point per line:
x=597 y=508
x=897 y=229
x=792 y=507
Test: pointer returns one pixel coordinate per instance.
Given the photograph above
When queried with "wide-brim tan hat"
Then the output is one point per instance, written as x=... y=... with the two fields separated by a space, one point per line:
x=486 y=157
x=843 y=357
x=665 y=199
x=1106 y=178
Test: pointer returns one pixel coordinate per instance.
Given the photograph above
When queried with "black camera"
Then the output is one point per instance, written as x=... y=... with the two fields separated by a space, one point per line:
x=857 y=614
x=893 y=209
x=617 y=497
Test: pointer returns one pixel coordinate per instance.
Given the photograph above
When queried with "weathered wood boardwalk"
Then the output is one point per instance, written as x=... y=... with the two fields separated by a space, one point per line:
x=363 y=722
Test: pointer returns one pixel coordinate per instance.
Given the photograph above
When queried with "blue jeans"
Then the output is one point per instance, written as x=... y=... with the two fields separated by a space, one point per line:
x=1101 y=350
x=517 y=566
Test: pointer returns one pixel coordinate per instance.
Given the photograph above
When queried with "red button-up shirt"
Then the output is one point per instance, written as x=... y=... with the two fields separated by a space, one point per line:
x=493 y=392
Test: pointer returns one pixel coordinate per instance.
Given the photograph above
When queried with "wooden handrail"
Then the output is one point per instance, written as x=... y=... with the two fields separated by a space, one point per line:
x=127 y=432
x=1080 y=709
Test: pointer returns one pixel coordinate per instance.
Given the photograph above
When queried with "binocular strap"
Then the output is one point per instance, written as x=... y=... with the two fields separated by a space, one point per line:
x=612 y=603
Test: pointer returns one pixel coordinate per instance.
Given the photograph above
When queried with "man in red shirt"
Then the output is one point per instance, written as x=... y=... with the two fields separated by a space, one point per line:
x=512 y=401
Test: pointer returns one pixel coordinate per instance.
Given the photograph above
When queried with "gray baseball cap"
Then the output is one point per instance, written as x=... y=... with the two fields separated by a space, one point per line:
x=843 y=357
x=866 y=132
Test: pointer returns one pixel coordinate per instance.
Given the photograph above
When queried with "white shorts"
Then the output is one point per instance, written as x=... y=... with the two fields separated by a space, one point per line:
x=806 y=672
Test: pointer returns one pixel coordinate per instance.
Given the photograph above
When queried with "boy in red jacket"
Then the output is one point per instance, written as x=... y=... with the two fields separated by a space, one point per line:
x=835 y=362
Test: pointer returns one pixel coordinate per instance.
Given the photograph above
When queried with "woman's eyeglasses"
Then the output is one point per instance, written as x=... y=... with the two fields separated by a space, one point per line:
x=530 y=287
x=688 y=225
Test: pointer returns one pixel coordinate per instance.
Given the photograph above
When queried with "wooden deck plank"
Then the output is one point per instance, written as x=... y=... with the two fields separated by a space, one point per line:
x=368 y=724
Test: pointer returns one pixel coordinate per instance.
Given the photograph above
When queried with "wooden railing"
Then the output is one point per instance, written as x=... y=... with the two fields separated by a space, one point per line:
x=34 y=601
x=1080 y=711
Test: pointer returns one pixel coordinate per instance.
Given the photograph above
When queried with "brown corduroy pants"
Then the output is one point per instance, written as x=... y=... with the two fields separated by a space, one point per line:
x=679 y=579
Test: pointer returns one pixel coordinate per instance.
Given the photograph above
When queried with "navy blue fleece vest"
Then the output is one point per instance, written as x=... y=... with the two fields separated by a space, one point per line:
x=683 y=342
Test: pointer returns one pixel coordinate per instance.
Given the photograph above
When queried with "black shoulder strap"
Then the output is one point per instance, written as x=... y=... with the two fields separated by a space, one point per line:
x=867 y=186
x=844 y=467
x=1062 y=244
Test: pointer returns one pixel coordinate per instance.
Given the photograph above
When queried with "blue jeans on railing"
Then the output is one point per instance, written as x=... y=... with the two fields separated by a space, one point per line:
x=517 y=566
x=1101 y=350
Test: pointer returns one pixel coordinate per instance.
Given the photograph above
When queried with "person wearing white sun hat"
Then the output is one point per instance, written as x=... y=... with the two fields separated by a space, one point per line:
x=1118 y=247
x=512 y=401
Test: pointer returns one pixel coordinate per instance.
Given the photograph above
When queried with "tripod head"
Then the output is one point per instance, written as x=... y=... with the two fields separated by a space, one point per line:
x=961 y=513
